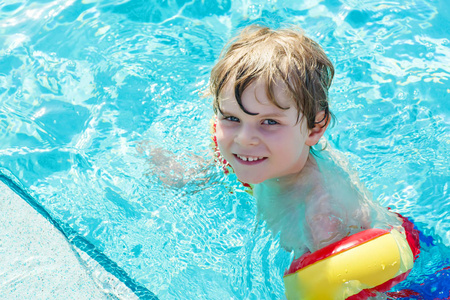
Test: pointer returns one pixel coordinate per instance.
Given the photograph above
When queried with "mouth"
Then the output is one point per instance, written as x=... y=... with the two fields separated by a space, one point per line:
x=249 y=160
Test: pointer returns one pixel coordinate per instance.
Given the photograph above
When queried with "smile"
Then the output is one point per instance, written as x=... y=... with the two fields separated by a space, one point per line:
x=250 y=158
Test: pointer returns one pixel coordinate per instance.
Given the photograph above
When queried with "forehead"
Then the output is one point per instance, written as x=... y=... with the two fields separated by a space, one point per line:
x=258 y=92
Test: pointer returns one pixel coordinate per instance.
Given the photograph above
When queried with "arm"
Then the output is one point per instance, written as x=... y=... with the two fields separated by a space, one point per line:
x=325 y=222
x=176 y=170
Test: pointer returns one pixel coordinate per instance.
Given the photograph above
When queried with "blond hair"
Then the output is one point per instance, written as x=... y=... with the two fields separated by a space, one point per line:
x=284 y=55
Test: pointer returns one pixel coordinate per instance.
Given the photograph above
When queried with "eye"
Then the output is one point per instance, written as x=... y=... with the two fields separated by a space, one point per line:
x=231 y=119
x=270 y=122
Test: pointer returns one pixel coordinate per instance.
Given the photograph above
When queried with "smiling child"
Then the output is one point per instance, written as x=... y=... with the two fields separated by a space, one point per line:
x=270 y=90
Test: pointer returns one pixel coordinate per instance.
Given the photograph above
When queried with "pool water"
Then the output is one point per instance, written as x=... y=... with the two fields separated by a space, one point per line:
x=104 y=127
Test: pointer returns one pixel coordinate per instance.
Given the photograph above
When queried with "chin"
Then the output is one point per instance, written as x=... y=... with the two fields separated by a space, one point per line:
x=250 y=180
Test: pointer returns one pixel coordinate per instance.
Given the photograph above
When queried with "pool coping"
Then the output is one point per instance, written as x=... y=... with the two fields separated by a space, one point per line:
x=41 y=258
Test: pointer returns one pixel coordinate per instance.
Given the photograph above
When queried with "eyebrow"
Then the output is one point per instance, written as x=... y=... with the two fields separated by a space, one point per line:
x=275 y=114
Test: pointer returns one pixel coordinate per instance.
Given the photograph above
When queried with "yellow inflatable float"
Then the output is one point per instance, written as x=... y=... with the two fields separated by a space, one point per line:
x=355 y=267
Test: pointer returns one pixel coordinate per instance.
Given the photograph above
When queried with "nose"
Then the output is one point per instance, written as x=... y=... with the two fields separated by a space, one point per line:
x=246 y=136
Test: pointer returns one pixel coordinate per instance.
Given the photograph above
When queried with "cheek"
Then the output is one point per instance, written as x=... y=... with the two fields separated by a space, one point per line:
x=288 y=144
x=222 y=137
x=219 y=134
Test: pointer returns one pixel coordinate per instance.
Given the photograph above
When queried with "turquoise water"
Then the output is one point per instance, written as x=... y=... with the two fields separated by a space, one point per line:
x=103 y=126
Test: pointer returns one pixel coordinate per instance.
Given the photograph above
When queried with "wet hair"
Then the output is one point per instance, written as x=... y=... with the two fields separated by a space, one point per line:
x=283 y=56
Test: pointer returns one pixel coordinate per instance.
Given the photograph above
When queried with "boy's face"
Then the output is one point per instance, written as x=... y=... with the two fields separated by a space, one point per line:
x=269 y=145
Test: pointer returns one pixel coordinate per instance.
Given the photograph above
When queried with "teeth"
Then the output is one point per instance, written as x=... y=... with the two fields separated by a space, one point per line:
x=249 y=158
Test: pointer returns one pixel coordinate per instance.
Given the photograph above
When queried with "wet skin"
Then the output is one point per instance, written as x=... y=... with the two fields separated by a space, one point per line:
x=271 y=145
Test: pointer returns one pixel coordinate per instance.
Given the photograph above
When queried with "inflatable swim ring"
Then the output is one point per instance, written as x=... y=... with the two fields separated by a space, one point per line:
x=355 y=267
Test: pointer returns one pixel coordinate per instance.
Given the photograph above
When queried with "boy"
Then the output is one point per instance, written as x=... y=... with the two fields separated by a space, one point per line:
x=270 y=90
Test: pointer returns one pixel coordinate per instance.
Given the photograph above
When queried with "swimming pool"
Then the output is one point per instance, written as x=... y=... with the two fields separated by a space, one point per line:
x=104 y=128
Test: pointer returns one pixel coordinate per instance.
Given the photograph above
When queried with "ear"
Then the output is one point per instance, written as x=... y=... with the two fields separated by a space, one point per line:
x=320 y=125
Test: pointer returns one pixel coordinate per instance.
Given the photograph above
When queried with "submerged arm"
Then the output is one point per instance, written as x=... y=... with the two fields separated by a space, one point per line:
x=326 y=224
x=176 y=170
